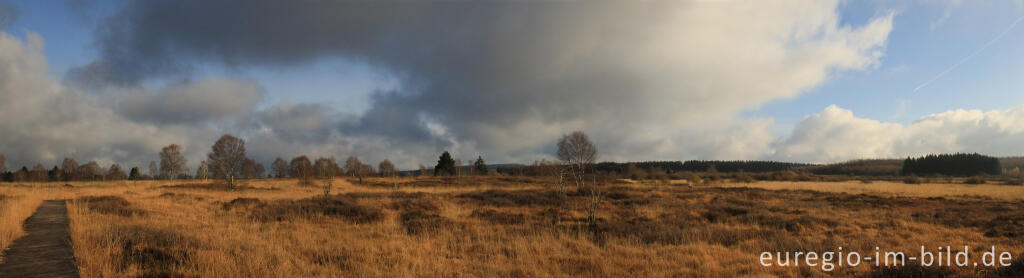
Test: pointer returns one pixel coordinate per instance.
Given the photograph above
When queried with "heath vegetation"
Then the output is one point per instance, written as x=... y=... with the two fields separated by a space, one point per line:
x=566 y=217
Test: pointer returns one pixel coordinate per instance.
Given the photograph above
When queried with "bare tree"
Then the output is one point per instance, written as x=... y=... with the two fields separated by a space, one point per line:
x=327 y=169
x=280 y=168
x=90 y=171
x=252 y=169
x=577 y=152
x=70 y=168
x=154 y=171
x=38 y=173
x=226 y=158
x=368 y=170
x=21 y=175
x=115 y=173
x=172 y=163
x=387 y=169
x=258 y=170
x=355 y=168
x=302 y=169
x=458 y=168
x=3 y=163
x=323 y=168
x=554 y=169
x=203 y=172
x=423 y=170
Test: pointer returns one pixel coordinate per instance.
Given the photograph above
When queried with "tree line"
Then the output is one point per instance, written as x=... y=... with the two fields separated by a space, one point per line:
x=226 y=160
x=957 y=164
x=726 y=166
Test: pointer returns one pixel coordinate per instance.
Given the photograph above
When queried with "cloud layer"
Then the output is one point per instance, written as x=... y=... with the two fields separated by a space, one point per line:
x=502 y=79
x=506 y=78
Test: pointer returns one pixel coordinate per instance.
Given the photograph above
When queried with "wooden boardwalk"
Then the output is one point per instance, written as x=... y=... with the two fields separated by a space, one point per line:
x=45 y=250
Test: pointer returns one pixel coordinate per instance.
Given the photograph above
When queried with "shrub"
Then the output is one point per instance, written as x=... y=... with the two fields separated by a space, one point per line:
x=499 y=217
x=419 y=222
x=157 y=252
x=912 y=180
x=243 y=203
x=974 y=180
x=911 y=270
x=744 y=178
x=1014 y=182
x=505 y=198
x=695 y=180
x=112 y=205
x=334 y=206
x=550 y=216
x=421 y=203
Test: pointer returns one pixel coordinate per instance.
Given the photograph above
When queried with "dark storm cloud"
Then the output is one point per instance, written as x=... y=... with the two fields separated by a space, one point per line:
x=197 y=102
x=300 y=122
x=8 y=14
x=507 y=77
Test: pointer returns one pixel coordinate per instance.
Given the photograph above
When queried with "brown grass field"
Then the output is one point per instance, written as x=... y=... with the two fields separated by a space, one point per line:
x=512 y=227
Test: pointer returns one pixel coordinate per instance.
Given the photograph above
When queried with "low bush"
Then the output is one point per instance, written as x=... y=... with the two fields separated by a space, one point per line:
x=242 y=203
x=416 y=203
x=506 y=198
x=111 y=205
x=155 y=251
x=975 y=180
x=419 y=222
x=744 y=178
x=499 y=217
x=334 y=206
x=912 y=180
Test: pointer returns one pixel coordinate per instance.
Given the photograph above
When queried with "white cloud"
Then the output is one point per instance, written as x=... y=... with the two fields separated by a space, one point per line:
x=43 y=121
x=836 y=134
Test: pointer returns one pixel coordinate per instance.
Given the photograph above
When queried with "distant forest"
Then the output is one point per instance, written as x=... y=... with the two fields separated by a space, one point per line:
x=725 y=166
x=958 y=164
x=860 y=167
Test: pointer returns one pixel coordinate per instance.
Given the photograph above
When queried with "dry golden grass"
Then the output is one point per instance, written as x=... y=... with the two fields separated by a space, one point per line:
x=888 y=188
x=506 y=227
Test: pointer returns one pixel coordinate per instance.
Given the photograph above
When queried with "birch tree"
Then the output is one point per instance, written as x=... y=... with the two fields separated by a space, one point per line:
x=172 y=163
x=226 y=157
x=578 y=154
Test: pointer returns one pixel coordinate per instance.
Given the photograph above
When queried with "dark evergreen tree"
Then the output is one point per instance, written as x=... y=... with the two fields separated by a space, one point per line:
x=54 y=173
x=135 y=175
x=481 y=167
x=445 y=165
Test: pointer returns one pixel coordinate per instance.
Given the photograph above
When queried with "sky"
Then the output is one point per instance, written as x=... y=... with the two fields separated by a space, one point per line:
x=801 y=81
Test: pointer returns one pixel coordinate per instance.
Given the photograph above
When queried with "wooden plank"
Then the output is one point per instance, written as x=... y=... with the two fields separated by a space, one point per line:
x=45 y=250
